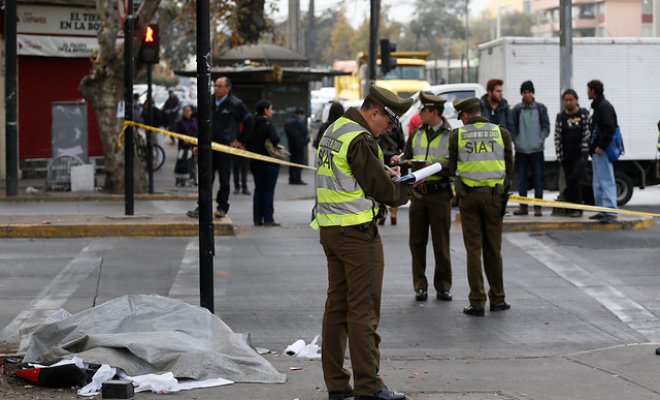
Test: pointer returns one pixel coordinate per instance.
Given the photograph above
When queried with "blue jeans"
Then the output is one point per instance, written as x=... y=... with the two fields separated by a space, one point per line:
x=525 y=162
x=603 y=182
x=265 y=179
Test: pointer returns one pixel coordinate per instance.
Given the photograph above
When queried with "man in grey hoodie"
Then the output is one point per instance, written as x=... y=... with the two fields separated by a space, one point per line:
x=530 y=127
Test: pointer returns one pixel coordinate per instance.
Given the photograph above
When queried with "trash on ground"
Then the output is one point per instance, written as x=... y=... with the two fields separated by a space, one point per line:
x=151 y=334
x=295 y=368
x=117 y=389
x=302 y=350
x=31 y=190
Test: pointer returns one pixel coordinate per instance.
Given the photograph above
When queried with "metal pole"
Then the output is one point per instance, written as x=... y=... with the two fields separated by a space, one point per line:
x=311 y=33
x=566 y=65
x=150 y=149
x=11 y=95
x=565 y=47
x=373 y=40
x=206 y=239
x=129 y=26
x=467 y=38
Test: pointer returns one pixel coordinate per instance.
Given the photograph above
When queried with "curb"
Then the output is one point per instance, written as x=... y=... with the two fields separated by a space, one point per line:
x=144 y=228
x=51 y=196
x=621 y=224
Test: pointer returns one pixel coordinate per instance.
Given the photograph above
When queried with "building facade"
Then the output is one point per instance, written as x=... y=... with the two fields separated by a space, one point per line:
x=600 y=18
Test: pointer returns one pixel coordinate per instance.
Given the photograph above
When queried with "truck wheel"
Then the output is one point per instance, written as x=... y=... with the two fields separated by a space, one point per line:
x=624 y=188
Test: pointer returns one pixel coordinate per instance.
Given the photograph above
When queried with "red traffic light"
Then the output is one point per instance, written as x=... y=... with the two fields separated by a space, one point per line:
x=150 y=49
x=149 y=34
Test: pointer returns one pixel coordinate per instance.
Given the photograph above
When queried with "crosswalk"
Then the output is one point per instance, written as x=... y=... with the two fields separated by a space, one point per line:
x=84 y=265
x=625 y=309
x=54 y=295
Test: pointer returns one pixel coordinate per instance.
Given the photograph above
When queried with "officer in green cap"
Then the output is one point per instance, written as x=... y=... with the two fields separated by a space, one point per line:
x=481 y=156
x=431 y=205
x=351 y=179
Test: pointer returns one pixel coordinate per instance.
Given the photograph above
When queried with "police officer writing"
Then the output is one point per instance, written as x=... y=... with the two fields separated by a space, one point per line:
x=431 y=205
x=351 y=180
x=481 y=156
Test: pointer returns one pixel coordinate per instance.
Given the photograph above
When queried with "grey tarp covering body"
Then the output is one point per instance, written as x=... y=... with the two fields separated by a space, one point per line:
x=149 y=334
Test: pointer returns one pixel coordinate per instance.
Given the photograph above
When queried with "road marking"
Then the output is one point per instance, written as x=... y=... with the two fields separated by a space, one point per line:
x=186 y=283
x=167 y=207
x=628 y=311
x=57 y=292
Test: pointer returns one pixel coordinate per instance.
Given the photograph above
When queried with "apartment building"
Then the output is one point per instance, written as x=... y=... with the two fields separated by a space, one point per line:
x=601 y=18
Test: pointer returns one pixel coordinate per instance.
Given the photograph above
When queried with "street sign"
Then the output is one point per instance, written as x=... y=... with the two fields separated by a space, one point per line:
x=122 y=8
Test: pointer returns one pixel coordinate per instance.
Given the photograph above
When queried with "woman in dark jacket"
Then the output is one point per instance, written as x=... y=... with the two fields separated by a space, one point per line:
x=184 y=169
x=265 y=173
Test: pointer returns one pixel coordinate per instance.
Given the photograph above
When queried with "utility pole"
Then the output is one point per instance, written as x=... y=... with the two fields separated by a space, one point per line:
x=206 y=238
x=467 y=38
x=294 y=25
x=129 y=29
x=374 y=18
x=311 y=33
x=565 y=47
x=11 y=104
x=566 y=63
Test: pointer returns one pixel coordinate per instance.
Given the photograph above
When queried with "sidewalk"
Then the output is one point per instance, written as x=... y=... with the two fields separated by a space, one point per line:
x=96 y=214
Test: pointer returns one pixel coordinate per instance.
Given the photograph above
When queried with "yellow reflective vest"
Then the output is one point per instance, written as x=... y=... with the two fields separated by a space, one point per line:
x=340 y=199
x=436 y=151
x=481 y=155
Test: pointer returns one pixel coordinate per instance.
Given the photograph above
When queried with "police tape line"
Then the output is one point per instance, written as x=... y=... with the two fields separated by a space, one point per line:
x=573 y=206
x=215 y=146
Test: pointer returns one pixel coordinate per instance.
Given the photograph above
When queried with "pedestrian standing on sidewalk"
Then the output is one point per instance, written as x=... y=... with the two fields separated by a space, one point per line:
x=431 y=205
x=494 y=106
x=185 y=169
x=264 y=173
x=572 y=137
x=351 y=179
x=228 y=115
x=530 y=127
x=296 y=133
x=481 y=156
x=391 y=143
x=171 y=112
x=603 y=124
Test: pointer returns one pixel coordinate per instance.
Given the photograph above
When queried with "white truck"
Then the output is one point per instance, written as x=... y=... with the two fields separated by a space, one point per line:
x=628 y=68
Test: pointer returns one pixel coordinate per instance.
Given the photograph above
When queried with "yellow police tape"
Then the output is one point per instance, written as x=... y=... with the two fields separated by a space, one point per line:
x=573 y=206
x=215 y=146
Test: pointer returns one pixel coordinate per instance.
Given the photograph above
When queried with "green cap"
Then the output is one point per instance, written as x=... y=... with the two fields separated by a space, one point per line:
x=430 y=100
x=390 y=101
x=469 y=104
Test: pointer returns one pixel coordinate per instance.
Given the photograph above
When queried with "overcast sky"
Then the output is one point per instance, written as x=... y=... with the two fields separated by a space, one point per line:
x=358 y=10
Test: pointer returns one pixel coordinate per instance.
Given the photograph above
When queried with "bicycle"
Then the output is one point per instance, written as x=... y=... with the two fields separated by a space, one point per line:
x=158 y=153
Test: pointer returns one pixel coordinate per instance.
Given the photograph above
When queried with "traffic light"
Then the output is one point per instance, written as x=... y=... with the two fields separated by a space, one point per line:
x=150 y=49
x=387 y=62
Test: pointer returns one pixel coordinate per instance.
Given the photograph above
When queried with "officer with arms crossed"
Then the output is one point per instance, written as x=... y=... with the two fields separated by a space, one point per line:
x=431 y=205
x=351 y=179
x=480 y=154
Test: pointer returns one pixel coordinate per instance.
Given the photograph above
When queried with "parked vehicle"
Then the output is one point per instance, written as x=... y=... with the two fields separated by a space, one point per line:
x=628 y=69
x=451 y=92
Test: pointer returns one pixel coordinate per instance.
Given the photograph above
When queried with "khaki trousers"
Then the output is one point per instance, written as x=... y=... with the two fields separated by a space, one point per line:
x=352 y=308
x=481 y=221
x=431 y=210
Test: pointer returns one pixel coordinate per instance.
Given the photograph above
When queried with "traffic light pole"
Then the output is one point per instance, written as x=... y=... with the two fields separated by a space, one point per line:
x=373 y=40
x=206 y=239
x=129 y=155
x=150 y=152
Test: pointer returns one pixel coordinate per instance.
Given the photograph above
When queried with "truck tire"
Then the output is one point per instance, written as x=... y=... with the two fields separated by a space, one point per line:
x=624 y=188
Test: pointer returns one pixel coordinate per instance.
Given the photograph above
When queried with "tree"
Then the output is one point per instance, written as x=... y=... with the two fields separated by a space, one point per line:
x=340 y=38
x=437 y=23
x=103 y=88
x=387 y=29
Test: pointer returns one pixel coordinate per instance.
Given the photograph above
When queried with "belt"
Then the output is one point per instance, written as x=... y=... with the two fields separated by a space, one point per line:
x=480 y=189
x=433 y=187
